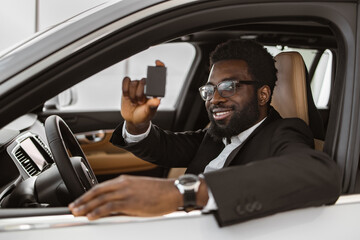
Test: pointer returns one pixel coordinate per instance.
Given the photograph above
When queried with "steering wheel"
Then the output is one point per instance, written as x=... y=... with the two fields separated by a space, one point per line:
x=75 y=170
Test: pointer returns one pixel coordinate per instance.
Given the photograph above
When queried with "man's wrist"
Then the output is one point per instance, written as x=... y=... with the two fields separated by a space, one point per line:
x=136 y=129
x=130 y=138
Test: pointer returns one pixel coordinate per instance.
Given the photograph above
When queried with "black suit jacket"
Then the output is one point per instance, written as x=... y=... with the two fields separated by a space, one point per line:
x=275 y=169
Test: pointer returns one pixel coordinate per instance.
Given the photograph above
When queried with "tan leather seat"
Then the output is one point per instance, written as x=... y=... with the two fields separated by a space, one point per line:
x=292 y=94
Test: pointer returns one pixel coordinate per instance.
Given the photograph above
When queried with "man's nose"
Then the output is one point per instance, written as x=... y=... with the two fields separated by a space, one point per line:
x=217 y=98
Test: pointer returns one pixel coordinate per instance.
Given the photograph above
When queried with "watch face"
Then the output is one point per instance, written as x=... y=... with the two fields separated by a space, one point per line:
x=188 y=180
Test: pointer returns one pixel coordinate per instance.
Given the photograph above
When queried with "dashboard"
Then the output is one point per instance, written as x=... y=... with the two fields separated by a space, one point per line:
x=24 y=153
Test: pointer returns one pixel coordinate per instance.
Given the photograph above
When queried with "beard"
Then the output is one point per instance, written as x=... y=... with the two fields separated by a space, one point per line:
x=240 y=121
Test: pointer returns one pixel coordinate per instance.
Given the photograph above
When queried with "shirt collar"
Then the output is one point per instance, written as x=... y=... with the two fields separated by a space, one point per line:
x=238 y=139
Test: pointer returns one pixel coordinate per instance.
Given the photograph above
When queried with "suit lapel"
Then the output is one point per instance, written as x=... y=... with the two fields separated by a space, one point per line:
x=233 y=154
x=273 y=115
x=208 y=150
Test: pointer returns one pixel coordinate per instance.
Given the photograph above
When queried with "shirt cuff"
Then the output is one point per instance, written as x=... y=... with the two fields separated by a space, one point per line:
x=211 y=204
x=130 y=138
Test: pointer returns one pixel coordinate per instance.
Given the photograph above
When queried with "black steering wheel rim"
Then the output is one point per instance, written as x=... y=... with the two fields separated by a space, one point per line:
x=60 y=138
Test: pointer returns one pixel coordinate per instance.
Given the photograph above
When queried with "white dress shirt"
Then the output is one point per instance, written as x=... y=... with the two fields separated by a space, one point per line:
x=215 y=164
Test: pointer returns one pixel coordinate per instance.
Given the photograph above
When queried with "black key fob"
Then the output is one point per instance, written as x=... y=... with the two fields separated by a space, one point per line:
x=155 y=81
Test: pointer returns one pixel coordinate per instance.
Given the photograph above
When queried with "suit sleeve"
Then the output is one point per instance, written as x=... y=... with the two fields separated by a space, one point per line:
x=294 y=176
x=162 y=147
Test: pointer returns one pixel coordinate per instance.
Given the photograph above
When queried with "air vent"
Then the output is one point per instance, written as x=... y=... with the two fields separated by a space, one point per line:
x=25 y=161
x=47 y=150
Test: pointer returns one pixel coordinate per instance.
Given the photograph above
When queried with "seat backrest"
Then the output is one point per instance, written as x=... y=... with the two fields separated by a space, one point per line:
x=292 y=94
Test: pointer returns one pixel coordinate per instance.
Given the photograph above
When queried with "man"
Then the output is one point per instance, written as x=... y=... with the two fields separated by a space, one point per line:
x=251 y=162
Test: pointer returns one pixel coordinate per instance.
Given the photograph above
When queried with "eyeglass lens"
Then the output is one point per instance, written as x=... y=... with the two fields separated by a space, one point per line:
x=225 y=89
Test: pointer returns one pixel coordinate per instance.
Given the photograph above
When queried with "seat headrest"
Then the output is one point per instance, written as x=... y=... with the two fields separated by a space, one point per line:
x=290 y=93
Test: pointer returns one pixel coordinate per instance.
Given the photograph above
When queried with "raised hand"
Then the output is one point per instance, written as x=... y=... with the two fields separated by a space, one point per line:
x=136 y=108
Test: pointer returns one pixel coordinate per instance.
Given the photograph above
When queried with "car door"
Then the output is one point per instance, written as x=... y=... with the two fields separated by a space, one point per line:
x=341 y=141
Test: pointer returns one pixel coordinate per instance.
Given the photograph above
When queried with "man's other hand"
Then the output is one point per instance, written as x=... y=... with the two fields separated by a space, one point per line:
x=129 y=195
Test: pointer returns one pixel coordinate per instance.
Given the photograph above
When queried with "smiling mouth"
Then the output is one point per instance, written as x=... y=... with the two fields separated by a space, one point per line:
x=220 y=114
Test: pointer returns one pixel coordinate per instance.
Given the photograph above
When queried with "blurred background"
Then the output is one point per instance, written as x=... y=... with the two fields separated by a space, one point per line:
x=20 y=19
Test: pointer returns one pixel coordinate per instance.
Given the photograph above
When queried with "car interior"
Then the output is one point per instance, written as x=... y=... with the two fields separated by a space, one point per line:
x=189 y=112
x=292 y=97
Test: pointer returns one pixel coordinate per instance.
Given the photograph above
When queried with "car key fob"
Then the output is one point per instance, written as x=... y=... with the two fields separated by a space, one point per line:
x=155 y=81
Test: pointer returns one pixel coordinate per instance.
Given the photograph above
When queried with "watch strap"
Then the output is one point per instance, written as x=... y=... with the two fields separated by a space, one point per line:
x=189 y=200
x=188 y=185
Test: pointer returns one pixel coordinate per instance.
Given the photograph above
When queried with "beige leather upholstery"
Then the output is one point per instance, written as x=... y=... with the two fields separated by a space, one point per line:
x=105 y=158
x=290 y=97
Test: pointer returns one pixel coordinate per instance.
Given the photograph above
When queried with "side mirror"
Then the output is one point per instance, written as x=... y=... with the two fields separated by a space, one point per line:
x=65 y=99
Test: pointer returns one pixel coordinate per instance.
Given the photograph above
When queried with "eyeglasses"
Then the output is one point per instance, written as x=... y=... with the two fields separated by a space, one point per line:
x=225 y=89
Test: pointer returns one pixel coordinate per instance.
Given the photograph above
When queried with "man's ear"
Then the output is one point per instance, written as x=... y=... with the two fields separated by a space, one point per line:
x=263 y=94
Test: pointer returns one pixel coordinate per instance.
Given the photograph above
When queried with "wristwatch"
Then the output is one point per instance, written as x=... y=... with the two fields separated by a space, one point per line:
x=188 y=186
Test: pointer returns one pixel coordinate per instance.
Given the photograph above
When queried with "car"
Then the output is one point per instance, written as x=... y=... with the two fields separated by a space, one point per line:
x=60 y=94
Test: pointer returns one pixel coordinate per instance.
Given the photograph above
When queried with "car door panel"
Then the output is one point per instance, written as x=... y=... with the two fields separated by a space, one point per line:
x=94 y=130
x=105 y=158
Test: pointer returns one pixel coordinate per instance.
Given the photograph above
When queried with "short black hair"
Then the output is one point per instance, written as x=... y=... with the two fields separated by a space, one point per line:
x=261 y=64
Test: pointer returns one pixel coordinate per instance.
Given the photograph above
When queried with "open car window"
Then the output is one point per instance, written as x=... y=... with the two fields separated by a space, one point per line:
x=102 y=91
